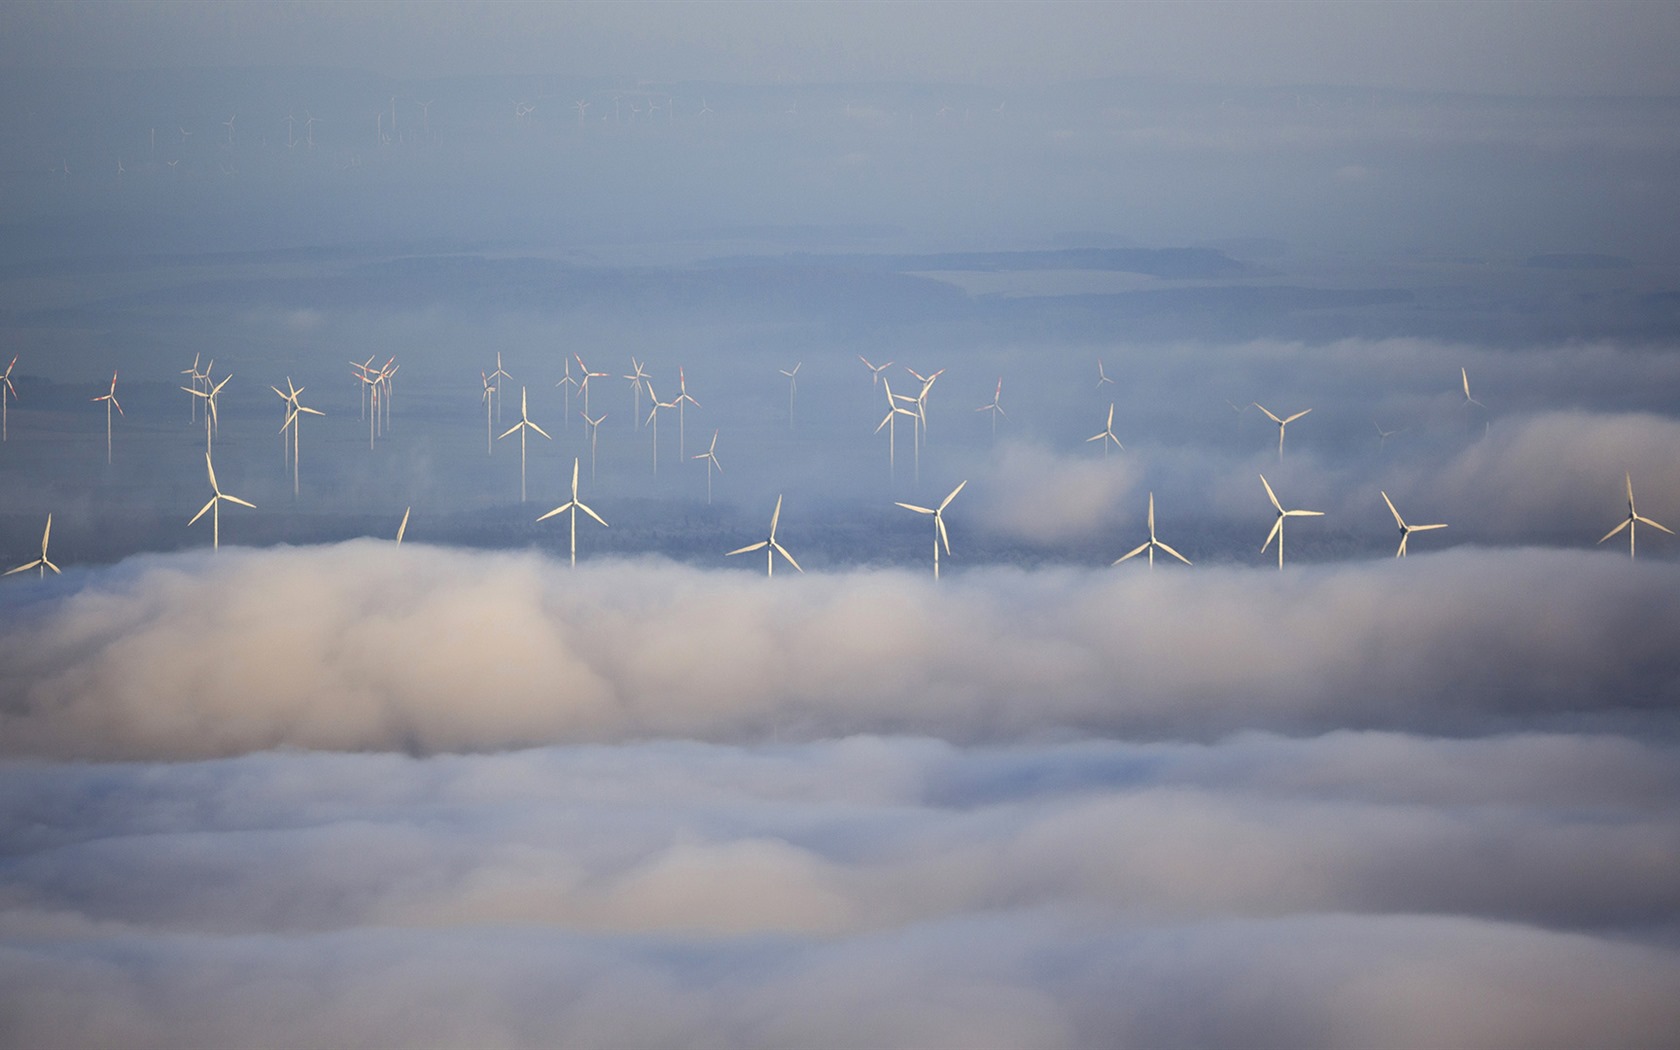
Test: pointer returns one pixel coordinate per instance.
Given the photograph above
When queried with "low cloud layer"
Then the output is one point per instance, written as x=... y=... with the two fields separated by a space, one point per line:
x=366 y=646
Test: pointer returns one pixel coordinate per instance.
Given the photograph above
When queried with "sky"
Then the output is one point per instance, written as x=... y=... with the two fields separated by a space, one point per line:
x=318 y=788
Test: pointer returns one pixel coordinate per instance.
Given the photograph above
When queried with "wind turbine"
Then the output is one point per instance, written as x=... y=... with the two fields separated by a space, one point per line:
x=921 y=400
x=894 y=410
x=215 y=506
x=42 y=562
x=195 y=379
x=1281 y=423
x=594 y=427
x=638 y=377
x=570 y=385
x=770 y=546
x=682 y=397
x=582 y=108
x=496 y=378
x=574 y=505
x=1384 y=435
x=1153 y=542
x=1633 y=519
x=1465 y=376
x=487 y=397
x=710 y=456
x=583 y=385
x=1277 y=526
x=1102 y=377
x=874 y=370
x=109 y=399
x=1107 y=434
x=7 y=392
x=996 y=409
x=209 y=394
x=522 y=426
x=653 y=421
x=939 y=533
x=793 y=387
x=1405 y=530
x=298 y=409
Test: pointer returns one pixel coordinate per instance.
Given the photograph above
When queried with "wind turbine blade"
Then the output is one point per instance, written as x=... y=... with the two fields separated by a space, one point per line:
x=945 y=537
x=539 y=430
x=404 y=526
x=561 y=509
x=1172 y=552
x=51 y=566
x=46 y=535
x=912 y=506
x=783 y=551
x=510 y=430
x=1647 y=521
x=1277 y=526
x=1270 y=494
x=211 y=467
x=1131 y=554
x=1303 y=514
x=1397 y=519
x=947 y=501
x=592 y=514
x=776 y=515
x=760 y=545
x=1625 y=523
x=1424 y=528
x=236 y=499
x=1297 y=415
x=22 y=568
x=1268 y=412
x=201 y=511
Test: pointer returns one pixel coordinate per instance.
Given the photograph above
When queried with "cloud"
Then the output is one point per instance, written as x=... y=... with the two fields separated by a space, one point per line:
x=363 y=645
x=1035 y=494
x=1341 y=889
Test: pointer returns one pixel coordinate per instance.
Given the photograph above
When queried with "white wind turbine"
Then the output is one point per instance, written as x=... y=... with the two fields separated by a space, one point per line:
x=110 y=399
x=894 y=410
x=1405 y=530
x=770 y=547
x=574 y=505
x=710 y=456
x=365 y=370
x=1384 y=435
x=1107 y=434
x=939 y=533
x=215 y=506
x=793 y=387
x=1277 y=526
x=1152 y=543
x=594 y=427
x=653 y=421
x=7 y=392
x=293 y=420
x=195 y=379
x=583 y=384
x=1633 y=519
x=496 y=378
x=522 y=426
x=488 y=398
x=996 y=409
x=874 y=370
x=1464 y=375
x=682 y=398
x=638 y=378
x=569 y=384
x=1102 y=376
x=42 y=562
x=1281 y=423
x=209 y=394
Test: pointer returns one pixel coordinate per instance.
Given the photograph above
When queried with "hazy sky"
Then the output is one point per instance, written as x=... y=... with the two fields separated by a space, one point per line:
x=1626 y=46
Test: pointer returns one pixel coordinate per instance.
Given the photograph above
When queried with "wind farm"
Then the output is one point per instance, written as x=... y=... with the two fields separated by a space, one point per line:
x=419 y=750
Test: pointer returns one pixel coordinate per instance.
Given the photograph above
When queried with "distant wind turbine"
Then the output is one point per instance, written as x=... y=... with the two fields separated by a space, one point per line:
x=209 y=394
x=195 y=378
x=7 y=392
x=496 y=378
x=488 y=398
x=996 y=409
x=569 y=384
x=297 y=410
x=793 y=387
x=594 y=427
x=583 y=384
x=217 y=497
x=42 y=562
x=681 y=400
x=1464 y=375
x=1102 y=376
x=894 y=410
x=110 y=399
x=874 y=370
x=653 y=421
x=1107 y=434
x=1153 y=543
x=710 y=456
x=1633 y=519
x=574 y=505
x=1281 y=423
x=638 y=379
x=522 y=426
x=939 y=533
x=1277 y=526
x=1405 y=530
x=770 y=547
x=1384 y=435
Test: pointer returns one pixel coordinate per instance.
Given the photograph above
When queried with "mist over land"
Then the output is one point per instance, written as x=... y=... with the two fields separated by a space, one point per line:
x=317 y=788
